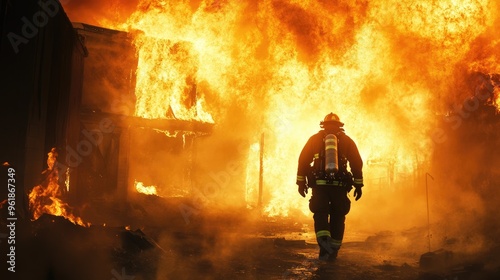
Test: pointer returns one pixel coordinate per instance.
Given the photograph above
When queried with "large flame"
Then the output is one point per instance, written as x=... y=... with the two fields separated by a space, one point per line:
x=46 y=198
x=383 y=66
x=166 y=81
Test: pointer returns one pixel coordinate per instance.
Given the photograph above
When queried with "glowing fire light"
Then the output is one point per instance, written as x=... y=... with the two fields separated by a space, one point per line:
x=66 y=182
x=166 y=81
x=251 y=192
x=382 y=66
x=149 y=190
x=45 y=198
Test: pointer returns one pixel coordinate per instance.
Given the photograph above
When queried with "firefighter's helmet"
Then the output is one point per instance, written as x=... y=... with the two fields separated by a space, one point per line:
x=331 y=119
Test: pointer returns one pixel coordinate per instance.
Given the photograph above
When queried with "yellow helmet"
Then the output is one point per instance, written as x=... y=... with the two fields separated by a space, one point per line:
x=331 y=119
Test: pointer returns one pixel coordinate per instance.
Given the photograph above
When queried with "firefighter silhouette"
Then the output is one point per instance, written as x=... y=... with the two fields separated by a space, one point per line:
x=323 y=167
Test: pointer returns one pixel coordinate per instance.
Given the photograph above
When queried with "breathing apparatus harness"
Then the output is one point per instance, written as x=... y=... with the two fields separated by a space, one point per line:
x=330 y=167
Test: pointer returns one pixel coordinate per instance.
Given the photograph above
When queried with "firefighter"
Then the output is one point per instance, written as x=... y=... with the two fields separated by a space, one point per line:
x=323 y=167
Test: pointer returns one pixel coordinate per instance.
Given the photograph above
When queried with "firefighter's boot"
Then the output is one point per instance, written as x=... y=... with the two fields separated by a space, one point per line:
x=335 y=246
x=325 y=249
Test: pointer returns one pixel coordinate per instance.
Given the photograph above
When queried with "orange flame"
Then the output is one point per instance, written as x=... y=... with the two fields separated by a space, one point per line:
x=166 y=81
x=383 y=67
x=46 y=199
x=149 y=190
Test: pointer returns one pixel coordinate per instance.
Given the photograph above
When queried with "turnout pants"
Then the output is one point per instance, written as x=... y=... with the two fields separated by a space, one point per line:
x=330 y=205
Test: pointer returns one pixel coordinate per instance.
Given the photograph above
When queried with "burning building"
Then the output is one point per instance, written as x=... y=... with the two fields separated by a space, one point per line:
x=124 y=157
x=75 y=89
x=101 y=115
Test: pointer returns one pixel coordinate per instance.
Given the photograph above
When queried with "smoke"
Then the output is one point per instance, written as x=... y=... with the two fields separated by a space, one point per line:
x=98 y=13
x=466 y=162
x=320 y=26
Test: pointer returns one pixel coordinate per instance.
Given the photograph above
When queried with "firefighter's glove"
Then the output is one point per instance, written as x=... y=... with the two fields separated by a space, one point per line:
x=357 y=192
x=302 y=188
x=358 y=184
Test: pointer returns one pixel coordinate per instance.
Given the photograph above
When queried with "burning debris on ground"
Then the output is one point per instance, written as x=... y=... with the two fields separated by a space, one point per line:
x=60 y=249
x=148 y=121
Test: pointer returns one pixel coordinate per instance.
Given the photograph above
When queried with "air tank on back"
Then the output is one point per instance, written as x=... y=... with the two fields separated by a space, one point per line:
x=331 y=151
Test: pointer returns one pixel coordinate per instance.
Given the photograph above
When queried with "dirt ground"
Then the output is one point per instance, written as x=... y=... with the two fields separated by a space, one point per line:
x=154 y=241
x=287 y=250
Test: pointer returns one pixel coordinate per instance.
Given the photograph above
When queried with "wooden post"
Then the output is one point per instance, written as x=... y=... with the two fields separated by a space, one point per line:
x=428 y=220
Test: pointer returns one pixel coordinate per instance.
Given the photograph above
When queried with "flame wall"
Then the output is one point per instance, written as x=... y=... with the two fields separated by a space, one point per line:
x=387 y=68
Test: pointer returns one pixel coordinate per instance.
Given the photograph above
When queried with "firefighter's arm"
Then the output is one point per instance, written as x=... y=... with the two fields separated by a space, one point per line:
x=302 y=184
x=303 y=167
x=304 y=163
x=356 y=165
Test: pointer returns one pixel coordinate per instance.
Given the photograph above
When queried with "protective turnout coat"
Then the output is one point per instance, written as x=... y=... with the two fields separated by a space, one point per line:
x=347 y=154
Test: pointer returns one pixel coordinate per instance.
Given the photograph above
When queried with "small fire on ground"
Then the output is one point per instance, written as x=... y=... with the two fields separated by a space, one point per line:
x=141 y=188
x=45 y=198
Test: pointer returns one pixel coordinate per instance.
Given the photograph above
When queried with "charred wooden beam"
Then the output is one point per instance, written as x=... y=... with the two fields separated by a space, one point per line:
x=171 y=125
